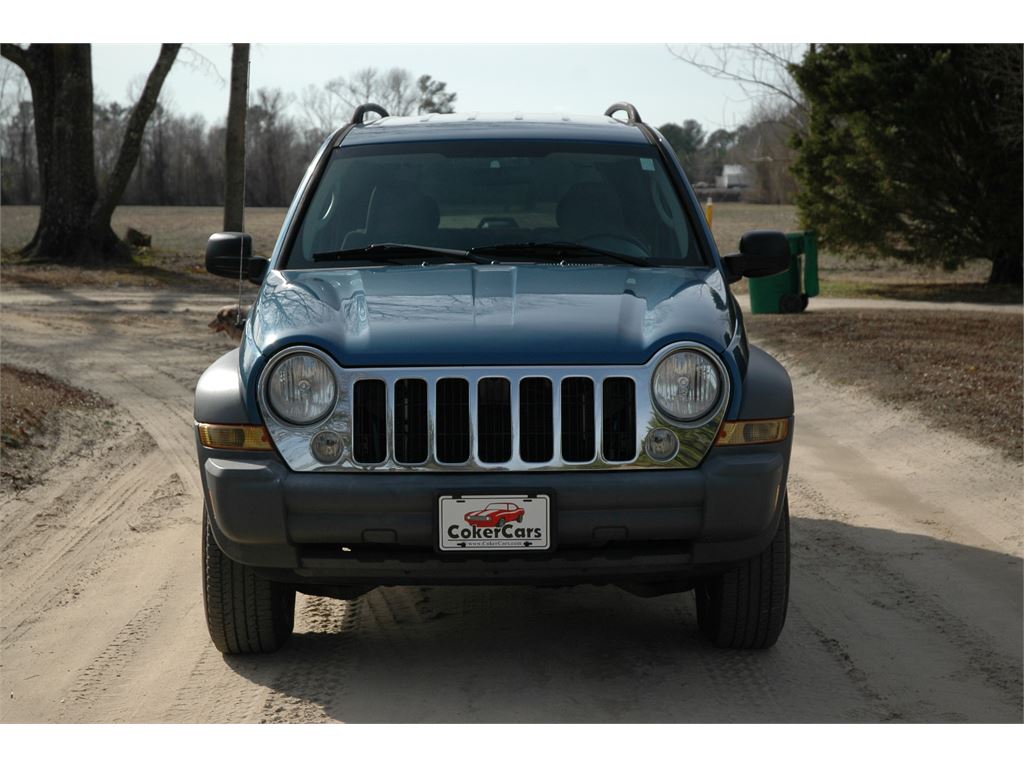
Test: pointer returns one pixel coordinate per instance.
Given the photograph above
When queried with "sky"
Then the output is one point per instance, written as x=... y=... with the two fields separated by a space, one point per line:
x=569 y=78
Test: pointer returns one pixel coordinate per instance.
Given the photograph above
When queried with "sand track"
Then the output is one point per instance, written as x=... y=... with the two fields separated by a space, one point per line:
x=906 y=601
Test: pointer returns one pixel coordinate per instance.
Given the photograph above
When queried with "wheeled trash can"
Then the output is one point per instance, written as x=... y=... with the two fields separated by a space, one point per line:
x=783 y=293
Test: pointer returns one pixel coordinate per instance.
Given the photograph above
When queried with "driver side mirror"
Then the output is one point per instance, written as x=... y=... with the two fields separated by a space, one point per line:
x=225 y=250
x=762 y=253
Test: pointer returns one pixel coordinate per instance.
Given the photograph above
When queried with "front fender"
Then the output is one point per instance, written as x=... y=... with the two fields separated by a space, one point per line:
x=767 y=390
x=220 y=394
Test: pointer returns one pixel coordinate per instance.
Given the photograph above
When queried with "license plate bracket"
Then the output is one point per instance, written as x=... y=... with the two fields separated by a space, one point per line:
x=494 y=523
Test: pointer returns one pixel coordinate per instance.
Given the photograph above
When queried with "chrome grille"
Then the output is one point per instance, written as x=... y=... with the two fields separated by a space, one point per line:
x=456 y=432
x=513 y=418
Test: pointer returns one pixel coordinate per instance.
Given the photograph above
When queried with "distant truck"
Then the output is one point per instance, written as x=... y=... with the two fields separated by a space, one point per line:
x=495 y=350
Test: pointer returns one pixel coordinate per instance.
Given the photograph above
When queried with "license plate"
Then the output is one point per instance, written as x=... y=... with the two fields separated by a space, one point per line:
x=494 y=523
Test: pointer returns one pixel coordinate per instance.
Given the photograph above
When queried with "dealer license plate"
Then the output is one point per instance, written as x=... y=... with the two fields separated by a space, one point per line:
x=494 y=523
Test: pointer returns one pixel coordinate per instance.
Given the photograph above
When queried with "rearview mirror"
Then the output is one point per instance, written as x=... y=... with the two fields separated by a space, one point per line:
x=224 y=250
x=763 y=252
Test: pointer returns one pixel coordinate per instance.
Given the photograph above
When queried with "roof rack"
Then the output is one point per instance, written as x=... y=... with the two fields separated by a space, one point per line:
x=362 y=109
x=624 y=106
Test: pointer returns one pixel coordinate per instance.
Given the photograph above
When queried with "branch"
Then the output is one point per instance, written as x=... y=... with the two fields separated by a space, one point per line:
x=22 y=57
x=720 y=68
x=197 y=62
x=131 y=143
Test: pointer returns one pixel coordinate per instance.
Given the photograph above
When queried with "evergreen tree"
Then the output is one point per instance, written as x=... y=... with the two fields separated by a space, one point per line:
x=914 y=151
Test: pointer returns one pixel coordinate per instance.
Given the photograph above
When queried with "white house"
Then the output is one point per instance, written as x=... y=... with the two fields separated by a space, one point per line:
x=733 y=176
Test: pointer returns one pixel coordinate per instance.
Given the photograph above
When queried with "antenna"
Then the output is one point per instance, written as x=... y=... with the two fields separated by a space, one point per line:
x=239 y=322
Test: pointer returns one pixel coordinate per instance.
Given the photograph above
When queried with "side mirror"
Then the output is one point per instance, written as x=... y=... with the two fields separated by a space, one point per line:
x=762 y=252
x=258 y=269
x=224 y=250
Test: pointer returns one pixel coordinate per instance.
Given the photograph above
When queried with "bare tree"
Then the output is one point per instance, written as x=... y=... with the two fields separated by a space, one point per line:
x=359 y=88
x=181 y=159
x=234 y=152
x=274 y=169
x=108 y=128
x=400 y=92
x=762 y=70
x=16 y=137
x=778 y=108
x=12 y=89
x=765 y=148
x=396 y=90
x=74 y=221
x=323 y=110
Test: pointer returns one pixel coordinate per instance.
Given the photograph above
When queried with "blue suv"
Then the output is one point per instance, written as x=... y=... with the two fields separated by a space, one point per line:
x=523 y=316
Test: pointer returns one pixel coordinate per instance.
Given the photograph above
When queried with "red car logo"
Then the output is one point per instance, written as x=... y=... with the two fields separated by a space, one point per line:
x=496 y=514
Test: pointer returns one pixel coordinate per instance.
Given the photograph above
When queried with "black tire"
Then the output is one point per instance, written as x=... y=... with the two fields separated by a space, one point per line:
x=245 y=613
x=791 y=304
x=746 y=607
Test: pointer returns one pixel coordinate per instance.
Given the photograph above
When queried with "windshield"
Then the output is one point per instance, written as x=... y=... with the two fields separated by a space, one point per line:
x=485 y=194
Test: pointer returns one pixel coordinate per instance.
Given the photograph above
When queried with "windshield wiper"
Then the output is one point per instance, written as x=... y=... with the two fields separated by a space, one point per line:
x=369 y=252
x=558 y=251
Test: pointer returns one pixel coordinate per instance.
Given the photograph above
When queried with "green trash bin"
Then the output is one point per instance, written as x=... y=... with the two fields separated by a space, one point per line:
x=783 y=292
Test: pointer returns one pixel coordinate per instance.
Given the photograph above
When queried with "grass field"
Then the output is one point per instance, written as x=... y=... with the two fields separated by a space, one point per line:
x=180 y=233
x=176 y=258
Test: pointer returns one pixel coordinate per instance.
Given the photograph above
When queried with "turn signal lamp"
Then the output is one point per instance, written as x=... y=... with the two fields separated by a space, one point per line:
x=753 y=432
x=235 y=437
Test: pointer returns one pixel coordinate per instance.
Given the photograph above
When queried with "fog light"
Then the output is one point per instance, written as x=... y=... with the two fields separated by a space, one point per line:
x=326 y=446
x=661 y=444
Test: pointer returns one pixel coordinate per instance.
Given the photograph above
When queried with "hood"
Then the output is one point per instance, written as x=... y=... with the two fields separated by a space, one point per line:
x=534 y=314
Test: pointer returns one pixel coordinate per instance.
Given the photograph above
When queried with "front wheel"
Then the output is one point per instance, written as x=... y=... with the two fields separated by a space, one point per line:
x=245 y=613
x=746 y=607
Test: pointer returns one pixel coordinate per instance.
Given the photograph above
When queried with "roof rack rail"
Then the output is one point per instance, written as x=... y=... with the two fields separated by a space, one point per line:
x=362 y=109
x=624 y=106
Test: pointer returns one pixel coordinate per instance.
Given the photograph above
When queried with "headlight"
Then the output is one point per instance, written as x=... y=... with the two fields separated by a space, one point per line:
x=301 y=389
x=686 y=385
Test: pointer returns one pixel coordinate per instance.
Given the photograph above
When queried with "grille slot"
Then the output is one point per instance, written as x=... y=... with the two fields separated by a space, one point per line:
x=577 y=419
x=452 y=421
x=411 y=434
x=494 y=420
x=369 y=421
x=618 y=433
x=536 y=433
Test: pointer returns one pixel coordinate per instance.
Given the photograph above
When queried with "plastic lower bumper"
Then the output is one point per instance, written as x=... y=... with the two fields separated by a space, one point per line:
x=610 y=526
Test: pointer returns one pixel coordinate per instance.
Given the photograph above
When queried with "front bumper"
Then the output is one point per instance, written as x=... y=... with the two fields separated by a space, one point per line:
x=371 y=528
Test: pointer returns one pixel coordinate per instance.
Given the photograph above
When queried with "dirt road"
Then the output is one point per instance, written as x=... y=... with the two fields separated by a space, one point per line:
x=906 y=601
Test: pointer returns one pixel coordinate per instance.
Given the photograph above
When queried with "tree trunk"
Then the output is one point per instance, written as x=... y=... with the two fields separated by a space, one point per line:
x=1007 y=269
x=102 y=235
x=60 y=77
x=234 y=157
x=24 y=128
x=74 y=220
